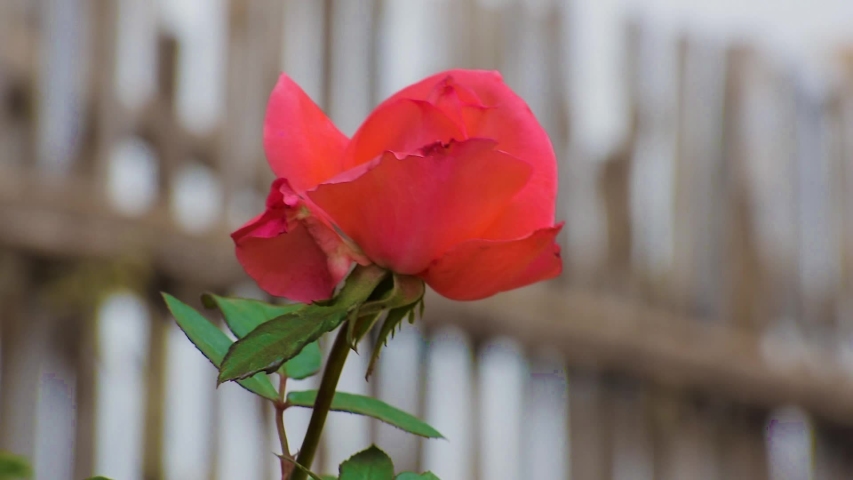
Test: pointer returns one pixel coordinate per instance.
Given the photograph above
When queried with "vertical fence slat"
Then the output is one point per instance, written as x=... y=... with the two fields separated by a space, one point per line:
x=253 y=66
x=19 y=334
x=833 y=453
x=742 y=254
x=84 y=368
x=590 y=423
x=633 y=435
x=686 y=443
x=155 y=392
x=743 y=445
x=699 y=179
x=107 y=122
x=614 y=179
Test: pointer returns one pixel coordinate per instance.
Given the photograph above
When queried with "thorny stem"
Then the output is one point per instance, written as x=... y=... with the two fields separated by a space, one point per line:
x=334 y=367
x=286 y=466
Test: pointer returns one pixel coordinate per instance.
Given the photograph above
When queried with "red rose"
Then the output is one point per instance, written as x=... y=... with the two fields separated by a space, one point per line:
x=452 y=179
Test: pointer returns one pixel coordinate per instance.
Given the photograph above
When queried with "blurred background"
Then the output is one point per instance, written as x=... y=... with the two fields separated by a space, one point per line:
x=702 y=329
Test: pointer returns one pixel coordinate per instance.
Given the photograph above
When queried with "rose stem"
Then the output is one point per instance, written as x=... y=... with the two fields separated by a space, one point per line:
x=334 y=367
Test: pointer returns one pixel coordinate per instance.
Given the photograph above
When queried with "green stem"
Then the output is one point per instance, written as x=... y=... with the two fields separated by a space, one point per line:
x=334 y=367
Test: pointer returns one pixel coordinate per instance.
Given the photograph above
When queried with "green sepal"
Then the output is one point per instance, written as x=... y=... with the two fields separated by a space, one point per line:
x=360 y=327
x=392 y=321
x=407 y=290
x=409 y=293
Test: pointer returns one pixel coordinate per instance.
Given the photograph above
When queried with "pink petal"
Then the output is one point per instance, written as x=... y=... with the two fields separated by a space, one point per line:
x=301 y=143
x=404 y=213
x=289 y=252
x=481 y=268
x=290 y=265
x=402 y=127
x=490 y=109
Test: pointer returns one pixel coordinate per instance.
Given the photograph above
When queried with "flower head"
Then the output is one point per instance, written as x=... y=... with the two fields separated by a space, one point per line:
x=451 y=179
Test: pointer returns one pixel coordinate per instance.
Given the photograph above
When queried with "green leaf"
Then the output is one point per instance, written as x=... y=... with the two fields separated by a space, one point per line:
x=328 y=477
x=272 y=343
x=416 y=476
x=14 y=467
x=368 y=406
x=370 y=464
x=213 y=343
x=244 y=315
x=267 y=347
x=305 y=363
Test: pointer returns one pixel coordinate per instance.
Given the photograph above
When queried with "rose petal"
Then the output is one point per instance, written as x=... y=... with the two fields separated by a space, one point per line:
x=301 y=143
x=504 y=116
x=403 y=127
x=404 y=213
x=273 y=221
x=289 y=252
x=290 y=265
x=457 y=102
x=481 y=268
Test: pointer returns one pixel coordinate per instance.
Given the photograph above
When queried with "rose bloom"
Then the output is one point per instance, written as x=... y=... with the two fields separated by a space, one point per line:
x=451 y=179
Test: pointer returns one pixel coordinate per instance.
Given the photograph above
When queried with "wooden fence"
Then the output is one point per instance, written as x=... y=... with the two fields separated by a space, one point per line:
x=709 y=255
